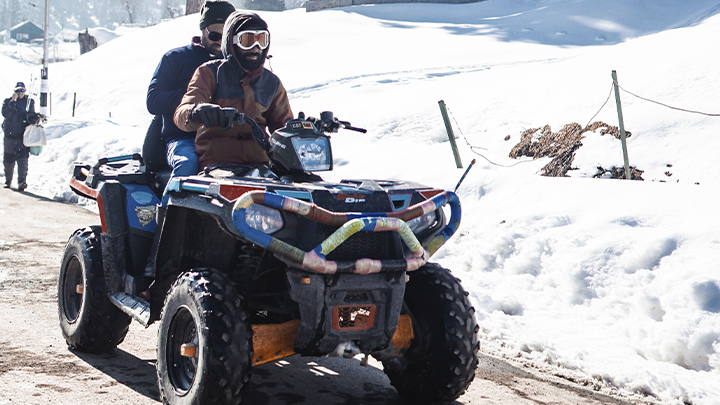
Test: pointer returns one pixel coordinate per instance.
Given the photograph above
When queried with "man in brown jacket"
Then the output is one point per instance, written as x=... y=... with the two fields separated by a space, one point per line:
x=238 y=81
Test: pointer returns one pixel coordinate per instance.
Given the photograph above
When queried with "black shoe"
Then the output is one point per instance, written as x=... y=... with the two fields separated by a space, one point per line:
x=22 y=186
x=7 y=185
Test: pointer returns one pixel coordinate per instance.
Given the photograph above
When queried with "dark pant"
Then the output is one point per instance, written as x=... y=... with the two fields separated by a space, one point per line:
x=15 y=152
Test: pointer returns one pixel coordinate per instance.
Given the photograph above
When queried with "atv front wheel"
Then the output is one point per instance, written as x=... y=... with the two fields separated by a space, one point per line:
x=441 y=360
x=88 y=320
x=204 y=341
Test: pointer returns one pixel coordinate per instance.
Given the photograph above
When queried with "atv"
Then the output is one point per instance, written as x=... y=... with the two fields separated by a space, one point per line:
x=257 y=263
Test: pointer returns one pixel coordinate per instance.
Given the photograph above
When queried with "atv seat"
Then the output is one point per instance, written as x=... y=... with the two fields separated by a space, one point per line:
x=154 y=156
x=153 y=150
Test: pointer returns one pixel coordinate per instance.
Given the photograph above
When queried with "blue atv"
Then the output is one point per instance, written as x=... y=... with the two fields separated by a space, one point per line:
x=256 y=263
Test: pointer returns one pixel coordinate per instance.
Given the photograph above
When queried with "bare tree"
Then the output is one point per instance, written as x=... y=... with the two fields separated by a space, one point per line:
x=193 y=6
x=170 y=9
x=131 y=7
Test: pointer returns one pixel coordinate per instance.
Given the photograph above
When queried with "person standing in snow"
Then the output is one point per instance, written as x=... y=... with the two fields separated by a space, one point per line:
x=18 y=111
x=170 y=81
x=238 y=81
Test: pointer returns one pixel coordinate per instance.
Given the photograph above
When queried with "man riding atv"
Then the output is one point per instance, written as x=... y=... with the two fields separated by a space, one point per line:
x=238 y=81
x=260 y=261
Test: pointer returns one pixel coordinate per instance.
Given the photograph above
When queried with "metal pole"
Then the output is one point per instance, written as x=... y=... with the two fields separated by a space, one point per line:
x=464 y=174
x=74 y=98
x=8 y=22
x=44 y=88
x=451 y=134
x=622 y=126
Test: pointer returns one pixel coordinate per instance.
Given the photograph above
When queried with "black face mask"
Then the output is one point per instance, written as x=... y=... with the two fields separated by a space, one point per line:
x=248 y=64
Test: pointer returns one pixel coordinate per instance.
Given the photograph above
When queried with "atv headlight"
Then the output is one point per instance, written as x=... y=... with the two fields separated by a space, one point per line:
x=313 y=153
x=421 y=223
x=264 y=219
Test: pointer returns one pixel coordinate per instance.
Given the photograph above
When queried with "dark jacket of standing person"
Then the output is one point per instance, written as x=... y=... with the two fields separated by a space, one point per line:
x=16 y=114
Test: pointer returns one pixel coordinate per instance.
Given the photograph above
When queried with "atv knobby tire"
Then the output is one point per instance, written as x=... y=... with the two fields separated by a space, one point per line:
x=203 y=311
x=88 y=320
x=440 y=363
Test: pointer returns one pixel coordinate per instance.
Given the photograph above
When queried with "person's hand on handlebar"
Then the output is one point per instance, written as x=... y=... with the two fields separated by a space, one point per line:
x=212 y=115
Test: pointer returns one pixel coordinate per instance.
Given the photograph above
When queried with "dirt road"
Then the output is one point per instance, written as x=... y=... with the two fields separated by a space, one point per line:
x=36 y=366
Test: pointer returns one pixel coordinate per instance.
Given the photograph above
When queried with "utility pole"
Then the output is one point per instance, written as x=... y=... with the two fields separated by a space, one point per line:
x=8 y=12
x=44 y=87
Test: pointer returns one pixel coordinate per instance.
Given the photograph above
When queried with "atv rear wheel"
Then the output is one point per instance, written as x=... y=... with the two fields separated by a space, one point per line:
x=88 y=320
x=204 y=341
x=441 y=360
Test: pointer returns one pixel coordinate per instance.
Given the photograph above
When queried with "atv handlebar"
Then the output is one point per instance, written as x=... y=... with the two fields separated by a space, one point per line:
x=328 y=123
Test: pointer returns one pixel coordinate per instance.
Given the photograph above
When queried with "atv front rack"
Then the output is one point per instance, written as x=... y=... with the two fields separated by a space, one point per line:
x=350 y=223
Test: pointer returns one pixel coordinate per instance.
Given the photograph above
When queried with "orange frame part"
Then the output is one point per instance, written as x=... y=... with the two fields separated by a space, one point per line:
x=274 y=342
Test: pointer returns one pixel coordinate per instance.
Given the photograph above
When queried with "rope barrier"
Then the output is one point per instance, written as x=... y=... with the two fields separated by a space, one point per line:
x=473 y=148
x=603 y=106
x=665 y=105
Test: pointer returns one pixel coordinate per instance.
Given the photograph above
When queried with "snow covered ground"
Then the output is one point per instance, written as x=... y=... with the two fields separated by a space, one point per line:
x=613 y=282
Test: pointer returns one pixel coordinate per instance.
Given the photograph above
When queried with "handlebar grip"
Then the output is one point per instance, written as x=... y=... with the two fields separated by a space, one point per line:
x=361 y=130
x=229 y=117
x=347 y=125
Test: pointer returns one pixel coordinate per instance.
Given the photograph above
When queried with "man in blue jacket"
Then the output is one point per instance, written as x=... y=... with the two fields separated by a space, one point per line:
x=16 y=110
x=171 y=79
x=167 y=88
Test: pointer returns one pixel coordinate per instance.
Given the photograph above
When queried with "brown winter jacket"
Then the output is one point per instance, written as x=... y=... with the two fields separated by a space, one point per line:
x=258 y=94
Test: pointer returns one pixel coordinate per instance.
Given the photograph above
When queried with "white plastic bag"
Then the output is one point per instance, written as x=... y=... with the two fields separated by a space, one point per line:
x=34 y=135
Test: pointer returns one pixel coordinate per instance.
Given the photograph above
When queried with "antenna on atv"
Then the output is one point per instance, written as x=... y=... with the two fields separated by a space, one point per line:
x=464 y=174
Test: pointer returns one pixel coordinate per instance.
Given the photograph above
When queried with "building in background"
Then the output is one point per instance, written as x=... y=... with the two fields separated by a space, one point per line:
x=26 y=32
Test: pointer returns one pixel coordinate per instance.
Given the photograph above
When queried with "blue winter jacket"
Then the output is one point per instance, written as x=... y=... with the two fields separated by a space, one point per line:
x=169 y=84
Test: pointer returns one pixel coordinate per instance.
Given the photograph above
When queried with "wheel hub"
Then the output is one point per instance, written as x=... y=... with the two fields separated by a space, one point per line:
x=182 y=357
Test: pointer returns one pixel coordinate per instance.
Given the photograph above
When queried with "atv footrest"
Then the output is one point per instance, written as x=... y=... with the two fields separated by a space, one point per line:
x=136 y=307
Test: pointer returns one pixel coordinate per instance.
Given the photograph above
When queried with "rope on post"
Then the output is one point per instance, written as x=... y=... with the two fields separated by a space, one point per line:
x=665 y=105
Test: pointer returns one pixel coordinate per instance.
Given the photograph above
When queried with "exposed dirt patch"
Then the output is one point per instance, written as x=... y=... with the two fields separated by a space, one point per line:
x=13 y=358
x=562 y=145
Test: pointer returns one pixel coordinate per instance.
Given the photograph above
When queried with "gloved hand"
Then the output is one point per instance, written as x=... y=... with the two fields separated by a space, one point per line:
x=212 y=115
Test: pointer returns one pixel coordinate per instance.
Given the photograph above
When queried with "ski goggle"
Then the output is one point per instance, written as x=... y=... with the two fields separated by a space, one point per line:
x=247 y=40
x=213 y=36
x=20 y=90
